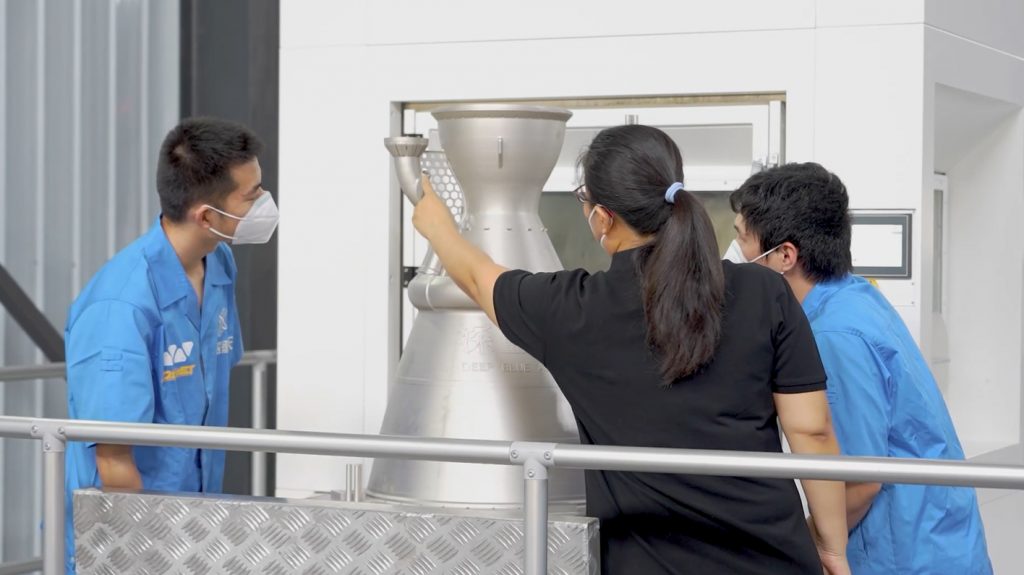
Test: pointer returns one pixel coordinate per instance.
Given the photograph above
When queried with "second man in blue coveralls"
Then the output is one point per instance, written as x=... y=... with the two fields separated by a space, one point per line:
x=153 y=337
x=795 y=220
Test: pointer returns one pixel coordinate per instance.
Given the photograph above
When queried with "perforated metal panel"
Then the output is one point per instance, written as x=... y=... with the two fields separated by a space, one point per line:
x=444 y=182
x=129 y=533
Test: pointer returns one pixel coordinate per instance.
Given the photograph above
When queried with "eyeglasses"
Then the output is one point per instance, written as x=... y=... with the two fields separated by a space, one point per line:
x=581 y=193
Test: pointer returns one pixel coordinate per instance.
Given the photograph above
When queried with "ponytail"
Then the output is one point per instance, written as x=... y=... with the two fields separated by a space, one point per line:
x=683 y=289
x=630 y=170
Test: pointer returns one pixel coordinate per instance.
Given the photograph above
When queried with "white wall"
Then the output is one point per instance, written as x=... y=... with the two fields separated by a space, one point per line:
x=984 y=321
x=332 y=228
x=829 y=13
x=971 y=96
x=991 y=23
x=319 y=23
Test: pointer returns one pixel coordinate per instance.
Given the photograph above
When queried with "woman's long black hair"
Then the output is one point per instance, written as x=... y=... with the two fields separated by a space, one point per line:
x=627 y=169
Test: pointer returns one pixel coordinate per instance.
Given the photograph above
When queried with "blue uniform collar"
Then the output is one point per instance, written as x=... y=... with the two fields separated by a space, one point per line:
x=215 y=272
x=171 y=282
x=821 y=291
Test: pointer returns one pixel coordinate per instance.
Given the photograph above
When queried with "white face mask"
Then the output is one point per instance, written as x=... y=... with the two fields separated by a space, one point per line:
x=256 y=226
x=591 y=217
x=735 y=254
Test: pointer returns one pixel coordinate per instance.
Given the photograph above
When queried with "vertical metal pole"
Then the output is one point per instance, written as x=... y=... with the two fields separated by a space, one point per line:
x=776 y=133
x=111 y=129
x=259 y=421
x=53 y=503
x=39 y=268
x=353 y=482
x=144 y=175
x=76 y=149
x=535 y=508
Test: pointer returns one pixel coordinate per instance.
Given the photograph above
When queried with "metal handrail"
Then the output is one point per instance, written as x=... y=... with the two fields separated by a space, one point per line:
x=58 y=370
x=258 y=356
x=535 y=458
x=27 y=372
x=19 y=567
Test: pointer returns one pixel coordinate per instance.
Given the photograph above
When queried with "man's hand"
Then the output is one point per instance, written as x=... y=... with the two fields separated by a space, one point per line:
x=116 y=467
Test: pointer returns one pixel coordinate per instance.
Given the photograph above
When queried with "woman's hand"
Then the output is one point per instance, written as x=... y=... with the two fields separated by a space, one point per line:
x=807 y=423
x=469 y=267
x=833 y=562
x=431 y=215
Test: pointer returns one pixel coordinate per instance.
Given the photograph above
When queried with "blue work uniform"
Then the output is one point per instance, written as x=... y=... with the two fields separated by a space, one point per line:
x=140 y=350
x=886 y=403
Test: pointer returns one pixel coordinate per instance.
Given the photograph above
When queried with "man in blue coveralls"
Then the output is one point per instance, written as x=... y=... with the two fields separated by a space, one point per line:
x=154 y=335
x=795 y=220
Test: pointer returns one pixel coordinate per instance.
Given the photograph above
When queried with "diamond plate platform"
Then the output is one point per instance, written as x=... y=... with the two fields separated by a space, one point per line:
x=127 y=533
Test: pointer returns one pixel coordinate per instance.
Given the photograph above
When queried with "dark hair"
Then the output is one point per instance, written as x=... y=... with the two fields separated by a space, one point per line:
x=627 y=169
x=806 y=205
x=196 y=160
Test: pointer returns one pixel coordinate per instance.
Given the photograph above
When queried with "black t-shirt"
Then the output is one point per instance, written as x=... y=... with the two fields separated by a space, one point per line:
x=589 y=331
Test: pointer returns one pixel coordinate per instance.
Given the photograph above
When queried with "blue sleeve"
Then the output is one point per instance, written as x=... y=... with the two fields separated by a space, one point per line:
x=858 y=393
x=110 y=371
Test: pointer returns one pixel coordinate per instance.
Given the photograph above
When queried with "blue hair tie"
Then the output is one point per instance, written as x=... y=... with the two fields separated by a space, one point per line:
x=670 y=193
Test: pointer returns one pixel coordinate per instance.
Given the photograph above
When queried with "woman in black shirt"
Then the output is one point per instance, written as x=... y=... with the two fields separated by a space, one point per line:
x=671 y=347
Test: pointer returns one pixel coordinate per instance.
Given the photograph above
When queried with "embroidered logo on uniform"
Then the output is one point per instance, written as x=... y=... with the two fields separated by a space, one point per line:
x=222 y=321
x=226 y=345
x=183 y=371
x=176 y=355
